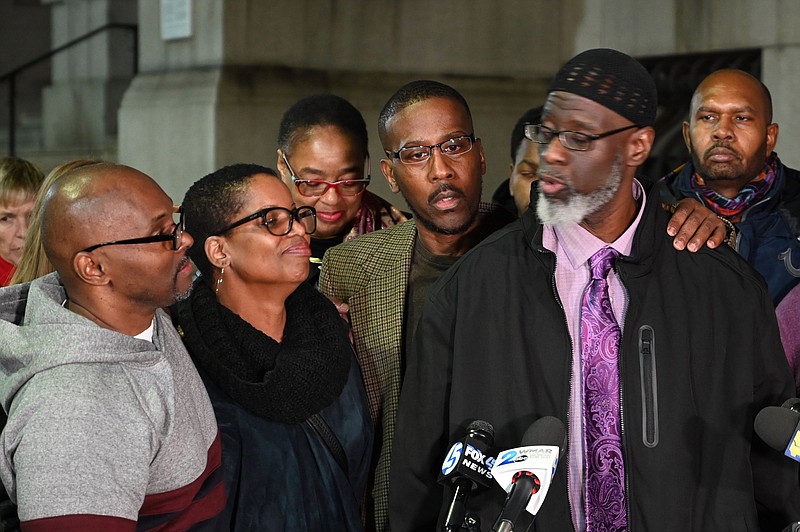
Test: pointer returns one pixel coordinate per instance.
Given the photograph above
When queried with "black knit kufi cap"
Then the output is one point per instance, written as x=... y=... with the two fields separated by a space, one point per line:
x=614 y=80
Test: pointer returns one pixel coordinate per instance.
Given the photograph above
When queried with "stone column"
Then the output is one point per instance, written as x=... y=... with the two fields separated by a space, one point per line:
x=88 y=80
x=780 y=67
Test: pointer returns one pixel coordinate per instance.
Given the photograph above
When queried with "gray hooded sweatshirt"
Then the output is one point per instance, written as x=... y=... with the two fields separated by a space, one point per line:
x=99 y=423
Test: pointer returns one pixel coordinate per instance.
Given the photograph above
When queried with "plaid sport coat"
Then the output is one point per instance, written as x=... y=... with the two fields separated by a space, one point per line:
x=370 y=274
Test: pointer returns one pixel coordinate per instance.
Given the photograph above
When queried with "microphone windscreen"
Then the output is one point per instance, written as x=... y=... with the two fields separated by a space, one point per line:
x=793 y=404
x=482 y=426
x=776 y=426
x=547 y=430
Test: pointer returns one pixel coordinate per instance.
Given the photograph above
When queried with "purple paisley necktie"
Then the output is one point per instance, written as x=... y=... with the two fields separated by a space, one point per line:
x=605 y=470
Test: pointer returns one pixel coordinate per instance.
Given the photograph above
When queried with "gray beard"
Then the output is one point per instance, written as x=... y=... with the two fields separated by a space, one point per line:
x=578 y=207
x=180 y=296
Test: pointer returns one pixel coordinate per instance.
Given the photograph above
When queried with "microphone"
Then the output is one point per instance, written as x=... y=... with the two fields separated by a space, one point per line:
x=779 y=427
x=526 y=472
x=467 y=467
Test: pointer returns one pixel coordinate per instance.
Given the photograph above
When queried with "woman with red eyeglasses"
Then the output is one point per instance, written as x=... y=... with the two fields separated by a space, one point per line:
x=323 y=159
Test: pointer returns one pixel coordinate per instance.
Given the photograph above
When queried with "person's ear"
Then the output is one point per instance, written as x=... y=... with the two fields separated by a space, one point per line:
x=387 y=168
x=283 y=170
x=216 y=251
x=772 y=137
x=639 y=145
x=90 y=269
x=687 y=139
x=483 y=156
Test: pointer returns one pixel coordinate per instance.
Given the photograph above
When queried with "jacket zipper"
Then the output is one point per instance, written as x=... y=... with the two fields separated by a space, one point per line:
x=649 y=383
x=646 y=350
x=571 y=349
x=745 y=213
x=621 y=409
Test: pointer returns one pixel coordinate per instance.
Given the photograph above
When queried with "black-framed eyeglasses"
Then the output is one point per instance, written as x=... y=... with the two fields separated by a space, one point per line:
x=454 y=147
x=279 y=220
x=318 y=187
x=175 y=236
x=572 y=140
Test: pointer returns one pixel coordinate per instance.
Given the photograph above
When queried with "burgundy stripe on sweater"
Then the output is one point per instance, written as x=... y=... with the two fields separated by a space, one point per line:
x=178 y=509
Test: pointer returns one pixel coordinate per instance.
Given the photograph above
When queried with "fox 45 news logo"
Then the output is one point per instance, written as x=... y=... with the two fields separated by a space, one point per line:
x=472 y=458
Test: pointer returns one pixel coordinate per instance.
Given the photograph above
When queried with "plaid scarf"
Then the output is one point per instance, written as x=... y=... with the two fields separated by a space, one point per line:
x=375 y=213
x=753 y=191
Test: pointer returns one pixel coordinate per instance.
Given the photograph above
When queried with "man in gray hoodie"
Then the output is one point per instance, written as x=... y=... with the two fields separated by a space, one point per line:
x=108 y=422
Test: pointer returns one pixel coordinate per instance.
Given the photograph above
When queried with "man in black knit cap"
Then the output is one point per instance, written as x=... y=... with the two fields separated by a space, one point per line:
x=636 y=347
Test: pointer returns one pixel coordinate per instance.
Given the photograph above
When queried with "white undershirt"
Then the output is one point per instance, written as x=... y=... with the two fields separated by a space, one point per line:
x=146 y=334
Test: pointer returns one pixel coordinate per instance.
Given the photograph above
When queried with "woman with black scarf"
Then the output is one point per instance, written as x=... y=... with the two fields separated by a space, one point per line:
x=275 y=358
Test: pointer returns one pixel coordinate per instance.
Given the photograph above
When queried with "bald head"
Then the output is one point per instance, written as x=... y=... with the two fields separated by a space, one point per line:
x=730 y=133
x=110 y=233
x=760 y=97
x=85 y=206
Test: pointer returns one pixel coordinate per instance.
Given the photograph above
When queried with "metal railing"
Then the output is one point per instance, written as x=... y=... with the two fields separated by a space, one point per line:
x=11 y=76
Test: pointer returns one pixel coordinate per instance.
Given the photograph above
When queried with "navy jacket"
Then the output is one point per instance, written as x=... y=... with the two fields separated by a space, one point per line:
x=282 y=477
x=769 y=233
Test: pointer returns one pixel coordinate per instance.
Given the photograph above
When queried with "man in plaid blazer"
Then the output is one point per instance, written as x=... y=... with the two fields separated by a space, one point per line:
x=436 y=162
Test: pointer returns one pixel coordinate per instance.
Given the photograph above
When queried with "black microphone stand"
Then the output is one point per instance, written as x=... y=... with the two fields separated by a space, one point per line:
x=456 y=513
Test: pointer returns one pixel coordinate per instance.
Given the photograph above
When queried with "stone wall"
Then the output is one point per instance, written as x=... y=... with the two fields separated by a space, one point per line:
x=217 y=96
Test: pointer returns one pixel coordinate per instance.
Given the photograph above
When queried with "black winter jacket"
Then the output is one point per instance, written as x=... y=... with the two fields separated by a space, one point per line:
x=700 y=356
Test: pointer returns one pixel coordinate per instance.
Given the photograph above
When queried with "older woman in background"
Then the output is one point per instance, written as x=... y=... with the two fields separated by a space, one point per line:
x=19 y=183
x=323 y=159
x=33 y=262
x=275 y=358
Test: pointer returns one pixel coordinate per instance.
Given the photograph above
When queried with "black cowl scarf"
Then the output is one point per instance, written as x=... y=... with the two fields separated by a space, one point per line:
x=284 y=381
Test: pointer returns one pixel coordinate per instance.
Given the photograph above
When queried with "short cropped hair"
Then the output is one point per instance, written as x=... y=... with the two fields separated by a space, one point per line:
x=531 y=116
x=414 y=92
x=322 y=110
x=19 y=179
x=210 y=203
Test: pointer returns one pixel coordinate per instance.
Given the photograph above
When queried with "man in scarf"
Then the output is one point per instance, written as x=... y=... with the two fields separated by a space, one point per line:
x=735 y=172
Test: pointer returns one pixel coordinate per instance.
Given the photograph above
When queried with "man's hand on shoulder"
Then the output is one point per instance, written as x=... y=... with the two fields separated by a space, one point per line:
x=693 y=226
x=344 y=312
x=341 y=307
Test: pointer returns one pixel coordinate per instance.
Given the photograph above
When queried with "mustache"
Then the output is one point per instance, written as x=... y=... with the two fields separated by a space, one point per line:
x=184 y=261
x=445 y=188
x=548 y=173
x=721 y=146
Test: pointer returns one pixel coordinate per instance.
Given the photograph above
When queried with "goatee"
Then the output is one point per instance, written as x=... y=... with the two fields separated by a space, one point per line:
x=576 y=208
